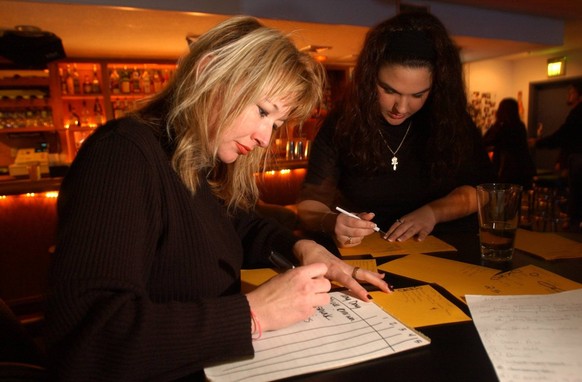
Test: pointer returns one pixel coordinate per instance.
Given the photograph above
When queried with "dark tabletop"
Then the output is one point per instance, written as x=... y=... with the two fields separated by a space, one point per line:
x=456 y=352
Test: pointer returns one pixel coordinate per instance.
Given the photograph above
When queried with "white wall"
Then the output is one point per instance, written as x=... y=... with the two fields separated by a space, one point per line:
x=506 y=77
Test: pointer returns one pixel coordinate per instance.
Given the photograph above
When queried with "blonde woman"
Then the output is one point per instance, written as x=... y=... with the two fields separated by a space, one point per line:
x=156 y=220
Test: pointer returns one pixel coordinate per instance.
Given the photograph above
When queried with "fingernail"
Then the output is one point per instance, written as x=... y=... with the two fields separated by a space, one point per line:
x=370 y=297
x=391 y=288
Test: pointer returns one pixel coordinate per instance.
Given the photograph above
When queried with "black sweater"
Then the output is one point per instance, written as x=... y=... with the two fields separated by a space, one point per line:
x=145 y=280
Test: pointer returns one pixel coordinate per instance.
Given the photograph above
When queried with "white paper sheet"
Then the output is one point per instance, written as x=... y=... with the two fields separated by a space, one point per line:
x=531 y=337
x=344 y=332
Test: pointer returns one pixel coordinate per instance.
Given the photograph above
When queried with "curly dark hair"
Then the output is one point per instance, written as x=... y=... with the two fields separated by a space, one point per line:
x=445 y=110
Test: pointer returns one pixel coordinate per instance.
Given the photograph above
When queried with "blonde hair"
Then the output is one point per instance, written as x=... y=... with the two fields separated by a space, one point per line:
x=227 y=69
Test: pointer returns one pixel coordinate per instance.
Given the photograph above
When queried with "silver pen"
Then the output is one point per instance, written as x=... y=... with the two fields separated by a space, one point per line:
x=377 y=229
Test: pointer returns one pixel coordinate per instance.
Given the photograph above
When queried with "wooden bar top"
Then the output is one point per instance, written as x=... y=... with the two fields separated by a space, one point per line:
x=12 y=186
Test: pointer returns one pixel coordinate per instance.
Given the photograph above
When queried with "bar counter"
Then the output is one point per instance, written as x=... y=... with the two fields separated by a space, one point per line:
x=12 y=186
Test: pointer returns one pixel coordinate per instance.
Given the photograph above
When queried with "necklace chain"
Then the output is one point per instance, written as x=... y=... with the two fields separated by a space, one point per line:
x=394 y=152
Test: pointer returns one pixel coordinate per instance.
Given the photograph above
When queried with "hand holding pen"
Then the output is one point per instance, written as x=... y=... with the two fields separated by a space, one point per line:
x=352 y=215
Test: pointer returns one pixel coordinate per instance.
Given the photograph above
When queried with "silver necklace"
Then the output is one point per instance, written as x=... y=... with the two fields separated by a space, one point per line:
x=394 y=162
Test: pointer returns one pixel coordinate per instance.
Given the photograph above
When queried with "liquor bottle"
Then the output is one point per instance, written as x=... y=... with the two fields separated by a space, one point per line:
x=98 y=113
x=125 y=81
x=74 y=120
x=95 y=83
x=117 y=110
x=69 y=81
x=85 y=116
x=114 y=82
x=63 y=82
x=157 y=81
x=166 y=77
x=135 y=81
x=146 y=83
x=86 y=85
x=76 y=80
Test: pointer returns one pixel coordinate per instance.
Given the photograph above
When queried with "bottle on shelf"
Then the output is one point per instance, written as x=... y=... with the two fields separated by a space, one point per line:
x=125 y=81
x=85 y=115
x=98 y=113
x=87 y=89
x=95 y=83
x=73 y=118
x=135 y=81
x=166 y=77
x=76 y=80
x=63 y=81
x=114 y=82
x=118 y=111
x=157 y=81
x=69 y=81
x=146 y=83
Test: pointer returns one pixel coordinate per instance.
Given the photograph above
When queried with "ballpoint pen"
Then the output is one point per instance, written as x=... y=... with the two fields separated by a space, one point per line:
x=377 y=229
x=280 y=261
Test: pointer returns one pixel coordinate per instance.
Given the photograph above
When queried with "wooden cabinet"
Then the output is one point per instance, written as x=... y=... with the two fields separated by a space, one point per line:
x=94 y=91
x=59 y=108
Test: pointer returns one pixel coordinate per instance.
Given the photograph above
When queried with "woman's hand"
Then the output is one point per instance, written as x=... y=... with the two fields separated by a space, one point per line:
x=309 y=252
x=290 y=297
x=349 y=231
x=418 y=224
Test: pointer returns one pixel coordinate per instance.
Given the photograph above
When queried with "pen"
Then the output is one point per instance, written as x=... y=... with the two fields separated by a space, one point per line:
x=377 y=229
x=280 y=261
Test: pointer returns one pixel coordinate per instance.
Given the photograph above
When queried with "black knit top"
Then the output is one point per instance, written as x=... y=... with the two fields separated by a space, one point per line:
x=145 y=281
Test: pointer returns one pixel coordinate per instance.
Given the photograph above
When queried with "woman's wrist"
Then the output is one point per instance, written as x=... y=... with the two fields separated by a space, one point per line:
x=256 y=330
x=323 y=222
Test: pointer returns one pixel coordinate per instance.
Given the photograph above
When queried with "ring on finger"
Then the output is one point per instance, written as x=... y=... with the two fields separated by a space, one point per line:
x=349 y=240
x=354 y=272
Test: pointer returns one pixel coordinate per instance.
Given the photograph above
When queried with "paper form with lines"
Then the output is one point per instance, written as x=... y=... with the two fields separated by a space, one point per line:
x=345 y=332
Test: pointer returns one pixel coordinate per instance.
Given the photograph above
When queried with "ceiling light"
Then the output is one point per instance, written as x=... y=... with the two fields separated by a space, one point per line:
x=556 y=66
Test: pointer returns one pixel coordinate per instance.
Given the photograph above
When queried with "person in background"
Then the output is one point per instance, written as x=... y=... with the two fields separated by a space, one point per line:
x=568 y=138
x=401 y=148
x=156 y=220
x=507 y=139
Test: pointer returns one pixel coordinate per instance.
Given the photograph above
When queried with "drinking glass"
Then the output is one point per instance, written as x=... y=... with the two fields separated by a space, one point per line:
x=498 y=210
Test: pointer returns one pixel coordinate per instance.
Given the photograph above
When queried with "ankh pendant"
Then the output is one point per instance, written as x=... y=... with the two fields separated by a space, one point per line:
x=394 y=162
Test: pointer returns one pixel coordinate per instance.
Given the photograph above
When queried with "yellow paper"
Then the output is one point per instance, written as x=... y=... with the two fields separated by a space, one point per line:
x=419 y=306
x=530 y=279
x=461 y=278
x=547 y=245
x=252 y=278
x=378 y=247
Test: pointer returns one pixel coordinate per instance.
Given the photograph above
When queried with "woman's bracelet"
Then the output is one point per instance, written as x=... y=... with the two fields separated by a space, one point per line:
x=322 y=221
x=256 y=326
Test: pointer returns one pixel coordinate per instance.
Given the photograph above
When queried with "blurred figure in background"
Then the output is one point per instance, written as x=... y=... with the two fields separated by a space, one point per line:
x=507 y=139
x=568 y=138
